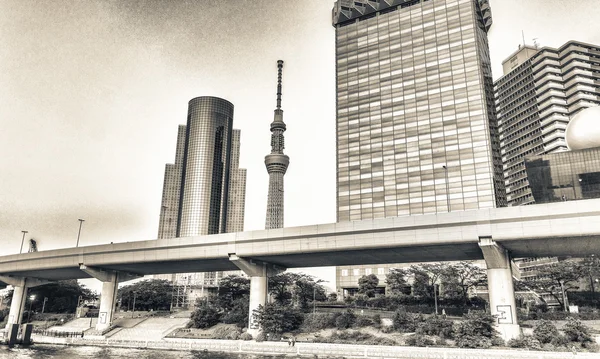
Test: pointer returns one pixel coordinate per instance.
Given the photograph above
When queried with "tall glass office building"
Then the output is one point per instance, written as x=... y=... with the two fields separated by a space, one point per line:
x=204 y=190
x=416 y=125
x=541 y=90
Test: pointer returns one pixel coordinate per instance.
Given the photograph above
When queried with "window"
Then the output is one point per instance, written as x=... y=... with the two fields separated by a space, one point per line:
x=356 y=271
x=344 y=272
x=368 y=271
x=380 y=271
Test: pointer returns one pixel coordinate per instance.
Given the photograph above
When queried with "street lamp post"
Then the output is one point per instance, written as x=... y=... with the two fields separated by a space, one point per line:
x=44 y=304
x=447 y=188
x=564 y=295
x=79 y=233
x=31 y=299
x=22 y=240
x=133 y=310
x=435 y=289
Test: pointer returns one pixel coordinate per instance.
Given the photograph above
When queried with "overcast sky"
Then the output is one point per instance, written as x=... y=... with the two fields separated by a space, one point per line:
x=91 y=93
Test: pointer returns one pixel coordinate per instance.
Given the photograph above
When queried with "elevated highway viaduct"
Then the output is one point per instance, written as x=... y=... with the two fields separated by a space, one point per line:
x=495 y=235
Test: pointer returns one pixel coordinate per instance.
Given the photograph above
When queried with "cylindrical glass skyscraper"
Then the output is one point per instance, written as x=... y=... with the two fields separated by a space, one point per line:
x=205 y=177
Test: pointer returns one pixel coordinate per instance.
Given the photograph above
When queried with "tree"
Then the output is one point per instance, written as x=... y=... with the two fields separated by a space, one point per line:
x=204 y=316
x=62 y=296
x=555 y=278
x=463 y=276
x=232 y=288
x=155 y=294
x=296 y=288
x=367 y=285
x=238 y=314
x=426 y=276
x=396 y=280
x=307 y=289
x=591 y=269
x=281 y=287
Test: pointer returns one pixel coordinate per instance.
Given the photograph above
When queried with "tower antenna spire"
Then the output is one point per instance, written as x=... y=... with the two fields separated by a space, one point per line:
x=279 y=70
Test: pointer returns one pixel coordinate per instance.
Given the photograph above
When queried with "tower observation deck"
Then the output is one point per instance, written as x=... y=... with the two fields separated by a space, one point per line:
x=276 y=163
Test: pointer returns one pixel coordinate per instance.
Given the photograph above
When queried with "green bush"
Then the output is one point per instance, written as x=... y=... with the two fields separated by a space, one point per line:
x=356 y=337
x=277 y=319
x=363 y=321
x=246 y=336
x=545 y=332
x=318 y=321
x=345 y=320
x=406 y=322
x=204 y=317
x=418 y=340
x=436 y=326
x=575 y=331
x=476 y=331
x=261 y=337
x=525 y=341
x=238 y=314
x=376 y=320
x=226 y=333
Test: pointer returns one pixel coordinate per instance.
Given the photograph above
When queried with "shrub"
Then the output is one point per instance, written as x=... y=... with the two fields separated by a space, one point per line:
x=363 y=321
x=238 y=314
x=261 y=337
x=436 y=326
x=525 y=341
x=545 y=332
x=345 y=320
x=354 y=337
x=360 y=300
x=246 y=336
x=406 y=322
x=226 y=333
x=318 y=321
x=560 y=341
x=376 y=320
x=575 y=331
x=476 y=331
x=204 y=317
x=418 y=340
x=277 y=319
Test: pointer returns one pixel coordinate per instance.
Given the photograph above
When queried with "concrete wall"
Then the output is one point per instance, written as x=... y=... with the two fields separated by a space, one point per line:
x=316 y=349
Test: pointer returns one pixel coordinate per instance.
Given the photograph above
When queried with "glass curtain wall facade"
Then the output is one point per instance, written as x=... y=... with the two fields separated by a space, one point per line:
x=536 y=100
x=204 y=190
x=416 y=126
x=564 y=176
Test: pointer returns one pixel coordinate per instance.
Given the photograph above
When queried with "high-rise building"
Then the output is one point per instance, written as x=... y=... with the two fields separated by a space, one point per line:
x=276 y=163
x=535 y=99
x=416 y=124
x=204 y=190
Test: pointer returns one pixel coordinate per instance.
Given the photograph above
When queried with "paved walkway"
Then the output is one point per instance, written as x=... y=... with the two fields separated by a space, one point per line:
x=150 y=329
x=317 y=349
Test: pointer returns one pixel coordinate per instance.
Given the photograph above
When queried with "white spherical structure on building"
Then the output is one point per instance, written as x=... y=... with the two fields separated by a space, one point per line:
x=583 y=131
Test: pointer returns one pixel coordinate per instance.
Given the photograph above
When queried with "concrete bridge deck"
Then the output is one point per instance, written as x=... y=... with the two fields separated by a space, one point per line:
x=558 y=229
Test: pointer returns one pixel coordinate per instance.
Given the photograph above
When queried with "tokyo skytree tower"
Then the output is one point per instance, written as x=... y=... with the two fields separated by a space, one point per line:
x=276 y=162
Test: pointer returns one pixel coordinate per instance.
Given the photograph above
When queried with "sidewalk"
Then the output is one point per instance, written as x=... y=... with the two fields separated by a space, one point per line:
x=315 y=349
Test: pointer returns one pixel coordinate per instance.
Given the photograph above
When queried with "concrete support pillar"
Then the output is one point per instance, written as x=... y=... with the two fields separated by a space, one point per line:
x=259 y=274
x=17 y=305
x=500 y=286
x=108 y=297
x=258 y=297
